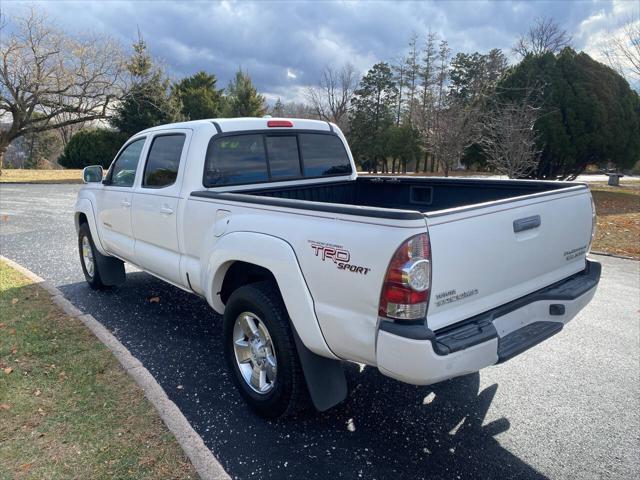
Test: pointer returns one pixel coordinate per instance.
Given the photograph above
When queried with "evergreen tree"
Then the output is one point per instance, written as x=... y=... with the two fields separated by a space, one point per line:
x=243 y=100
x=199 y=97
x=590 y=114
x=474 y=75
x=95 y=146
x=40 y=148
x=473 y=78
x=372 y=114
x=147 y=102
x=278 y=109
x=402 y=145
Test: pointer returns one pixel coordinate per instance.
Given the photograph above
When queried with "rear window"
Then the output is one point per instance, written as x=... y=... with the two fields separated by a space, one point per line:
x=254 y=158
x=323 y=155
x=235 y=160
x=283 y=156
x=163 y=161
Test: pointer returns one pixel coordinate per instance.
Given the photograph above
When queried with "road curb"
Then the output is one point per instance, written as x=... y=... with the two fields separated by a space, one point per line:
x=613 y=255
x=74 y=182
x=192 y=444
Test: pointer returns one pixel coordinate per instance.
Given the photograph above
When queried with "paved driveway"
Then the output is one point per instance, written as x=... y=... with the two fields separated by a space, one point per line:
x=567 y=409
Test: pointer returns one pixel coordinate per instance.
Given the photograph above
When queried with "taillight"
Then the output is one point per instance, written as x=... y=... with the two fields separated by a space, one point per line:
x=279 y=123
x=405 y=292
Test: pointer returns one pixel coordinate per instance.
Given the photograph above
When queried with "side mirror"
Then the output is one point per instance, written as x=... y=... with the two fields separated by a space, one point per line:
x=92 y=174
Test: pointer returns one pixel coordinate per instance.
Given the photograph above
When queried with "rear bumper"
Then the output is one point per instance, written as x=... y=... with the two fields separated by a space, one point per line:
x=417 y=355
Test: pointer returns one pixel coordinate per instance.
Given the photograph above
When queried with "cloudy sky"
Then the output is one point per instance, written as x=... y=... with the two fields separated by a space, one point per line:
x=284 y=45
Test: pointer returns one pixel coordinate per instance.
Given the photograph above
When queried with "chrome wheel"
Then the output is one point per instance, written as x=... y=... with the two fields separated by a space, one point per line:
x=87 y=256
x=254 y=352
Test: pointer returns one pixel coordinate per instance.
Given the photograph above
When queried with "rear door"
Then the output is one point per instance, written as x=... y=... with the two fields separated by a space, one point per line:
x=155 y=205
x=115 y=199
x=488 y=256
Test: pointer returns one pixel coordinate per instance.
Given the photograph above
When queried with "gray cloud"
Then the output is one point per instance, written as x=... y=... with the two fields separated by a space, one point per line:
x=284 y=45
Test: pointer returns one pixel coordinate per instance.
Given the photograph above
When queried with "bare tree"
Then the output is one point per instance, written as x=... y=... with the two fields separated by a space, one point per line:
x=412 y=67
x=509 y=138
x=448 y=135
x=399 y=70
x=454 y=131
x=426 y=112
x=66 y=130
x=622 y=50
x=545 y=35
x=298 y=110
x=50 y=80
x=330 y=99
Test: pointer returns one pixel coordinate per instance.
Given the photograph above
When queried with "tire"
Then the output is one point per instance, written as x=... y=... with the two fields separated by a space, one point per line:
x=90 y=270
x=285 y=392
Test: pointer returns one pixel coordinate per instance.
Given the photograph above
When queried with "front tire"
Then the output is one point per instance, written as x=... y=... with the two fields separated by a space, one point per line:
x=89 y=258
x=260 y=351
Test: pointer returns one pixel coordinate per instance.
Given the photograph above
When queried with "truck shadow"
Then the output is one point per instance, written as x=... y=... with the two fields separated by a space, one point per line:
x=384 y=429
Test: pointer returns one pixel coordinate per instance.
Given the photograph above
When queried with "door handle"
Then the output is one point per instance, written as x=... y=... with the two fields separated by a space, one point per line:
x=126 y=203
x=527 y=223
x=166 y=210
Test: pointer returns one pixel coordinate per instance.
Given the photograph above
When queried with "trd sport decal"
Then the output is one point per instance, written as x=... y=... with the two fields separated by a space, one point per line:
x=338 y=255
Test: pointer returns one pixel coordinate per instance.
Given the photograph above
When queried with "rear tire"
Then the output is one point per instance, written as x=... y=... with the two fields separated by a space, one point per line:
x=89 y=258
x=258 y=337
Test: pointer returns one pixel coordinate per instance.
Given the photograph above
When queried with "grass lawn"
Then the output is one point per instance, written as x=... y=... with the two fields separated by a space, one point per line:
x=17 y=175
x=618 y=211
x=67 y=408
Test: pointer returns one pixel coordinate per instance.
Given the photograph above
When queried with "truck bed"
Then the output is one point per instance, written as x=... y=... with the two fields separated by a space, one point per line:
x=416 y=194
x=493 y=241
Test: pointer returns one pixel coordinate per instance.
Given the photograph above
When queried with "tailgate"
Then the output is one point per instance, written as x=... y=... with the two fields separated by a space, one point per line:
x=488 y=255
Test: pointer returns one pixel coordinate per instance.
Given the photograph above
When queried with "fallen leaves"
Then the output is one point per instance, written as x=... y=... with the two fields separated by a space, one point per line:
x=14 y=301
x=5 y=406
x=154 y=300
x=37 y=393
x=7 y=370
x=618 y=213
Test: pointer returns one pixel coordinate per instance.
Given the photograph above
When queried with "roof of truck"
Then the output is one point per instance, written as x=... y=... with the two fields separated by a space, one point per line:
x=248 y=123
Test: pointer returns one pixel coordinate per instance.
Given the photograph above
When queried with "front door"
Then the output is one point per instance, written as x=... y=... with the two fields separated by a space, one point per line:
x=115 y=201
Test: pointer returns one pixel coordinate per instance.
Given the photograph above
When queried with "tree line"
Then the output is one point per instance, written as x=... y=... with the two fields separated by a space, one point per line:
x=548 y=116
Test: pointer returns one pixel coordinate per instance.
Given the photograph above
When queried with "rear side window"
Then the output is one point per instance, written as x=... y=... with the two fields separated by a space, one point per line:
x=323 y=155
x=123 y=170
x=283 y=156
x=163 y=161
x=254 y=158
x=234 y=160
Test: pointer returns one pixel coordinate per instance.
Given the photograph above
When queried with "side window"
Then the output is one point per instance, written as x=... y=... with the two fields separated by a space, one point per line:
x=163 y=161
x=323 y=155
x=234 y=160
x=283 y=156
x=123 y=171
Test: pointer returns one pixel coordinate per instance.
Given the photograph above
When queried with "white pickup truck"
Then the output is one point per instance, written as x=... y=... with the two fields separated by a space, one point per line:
x=312 y=265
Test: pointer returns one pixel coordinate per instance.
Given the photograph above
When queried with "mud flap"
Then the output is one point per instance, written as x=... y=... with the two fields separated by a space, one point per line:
x=111 y=269
x=325 y=377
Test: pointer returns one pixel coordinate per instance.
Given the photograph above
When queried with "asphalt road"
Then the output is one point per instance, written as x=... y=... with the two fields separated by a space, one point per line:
x=570 y=408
